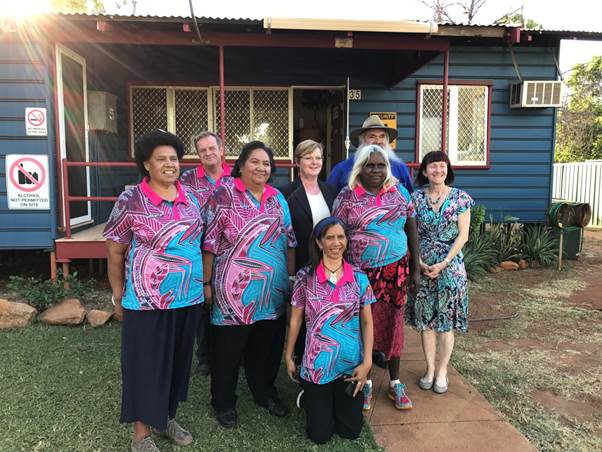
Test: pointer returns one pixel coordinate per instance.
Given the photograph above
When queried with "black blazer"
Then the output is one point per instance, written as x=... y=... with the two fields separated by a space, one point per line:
x=301 y=215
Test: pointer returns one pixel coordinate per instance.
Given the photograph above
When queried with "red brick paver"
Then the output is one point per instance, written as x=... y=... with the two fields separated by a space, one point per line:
x=460 y=420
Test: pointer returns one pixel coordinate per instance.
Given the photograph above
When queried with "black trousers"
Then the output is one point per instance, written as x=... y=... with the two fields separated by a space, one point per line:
x=300 y=344
x=329 y=410
x=156 y=355
x=202 y=335
x=259 y=347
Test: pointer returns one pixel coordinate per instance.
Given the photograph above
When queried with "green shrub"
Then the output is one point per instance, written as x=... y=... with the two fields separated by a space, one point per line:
x=479 y=251
x=38 y=293
x=79 y=288
x=493 y=243
x=507 y=240
x=539 y=245
x=41 y=293
x=477 y=217
x=480 y=254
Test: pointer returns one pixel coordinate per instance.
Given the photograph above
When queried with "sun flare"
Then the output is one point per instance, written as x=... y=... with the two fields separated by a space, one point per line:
x=20 y=9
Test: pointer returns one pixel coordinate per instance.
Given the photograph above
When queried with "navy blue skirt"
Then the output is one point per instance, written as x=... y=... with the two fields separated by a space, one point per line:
x=156 y=355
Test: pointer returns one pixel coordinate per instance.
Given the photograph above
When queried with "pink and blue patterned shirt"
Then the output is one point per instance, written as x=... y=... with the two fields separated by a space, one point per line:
x=163 y=265
x=333 y=344
x=203 y=185
x=375 y=223
x=250 y=241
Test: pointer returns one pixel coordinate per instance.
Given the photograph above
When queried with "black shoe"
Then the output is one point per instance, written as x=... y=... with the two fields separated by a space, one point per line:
x=380 y=359
x=227 y=418
x=275 y=406
x=203 y=369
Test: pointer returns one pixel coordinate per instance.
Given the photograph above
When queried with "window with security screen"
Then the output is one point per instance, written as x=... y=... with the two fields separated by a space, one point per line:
x=256 y=114
x=191 y=115
x=181 y=110
x=251 y=114
x=148 y=110
x=467 y=122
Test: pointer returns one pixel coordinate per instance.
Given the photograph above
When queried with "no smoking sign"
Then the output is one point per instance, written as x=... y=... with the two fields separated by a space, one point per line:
x=36 y=122
x=27 y=182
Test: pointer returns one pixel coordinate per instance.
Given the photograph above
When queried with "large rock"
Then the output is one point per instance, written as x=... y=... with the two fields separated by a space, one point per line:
x=96 y=317
x=15 y=315
x=68 y=312
x=509 y=265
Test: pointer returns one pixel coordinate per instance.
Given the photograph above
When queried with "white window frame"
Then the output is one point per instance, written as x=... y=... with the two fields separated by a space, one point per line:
x=452 y=122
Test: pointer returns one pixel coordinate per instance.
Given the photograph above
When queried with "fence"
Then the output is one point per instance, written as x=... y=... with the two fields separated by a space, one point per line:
x=580 y=182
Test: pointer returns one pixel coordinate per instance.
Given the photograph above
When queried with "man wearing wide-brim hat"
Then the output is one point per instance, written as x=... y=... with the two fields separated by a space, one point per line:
x=373 y=131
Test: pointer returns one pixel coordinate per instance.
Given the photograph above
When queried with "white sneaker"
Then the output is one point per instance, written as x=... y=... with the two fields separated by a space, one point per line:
x=300 y=399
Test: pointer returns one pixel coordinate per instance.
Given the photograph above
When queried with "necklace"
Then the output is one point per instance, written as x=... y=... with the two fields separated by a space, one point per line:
x=436 y=200
x=333 y=273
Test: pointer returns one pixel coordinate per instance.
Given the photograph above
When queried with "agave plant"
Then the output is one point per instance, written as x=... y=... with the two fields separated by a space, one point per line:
x=507 y=239
x=539 y=245
x=480 y=254
x=477 y=217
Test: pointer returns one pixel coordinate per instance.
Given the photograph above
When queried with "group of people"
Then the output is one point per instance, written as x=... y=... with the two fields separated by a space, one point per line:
x=219 y=257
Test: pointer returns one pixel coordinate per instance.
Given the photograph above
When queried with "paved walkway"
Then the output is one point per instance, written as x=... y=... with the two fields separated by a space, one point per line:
x=460 y=420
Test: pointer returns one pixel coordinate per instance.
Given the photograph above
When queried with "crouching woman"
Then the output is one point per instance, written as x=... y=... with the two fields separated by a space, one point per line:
x=335 y=299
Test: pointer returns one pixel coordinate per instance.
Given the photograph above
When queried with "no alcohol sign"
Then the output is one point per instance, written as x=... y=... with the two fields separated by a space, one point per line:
x=27 y=182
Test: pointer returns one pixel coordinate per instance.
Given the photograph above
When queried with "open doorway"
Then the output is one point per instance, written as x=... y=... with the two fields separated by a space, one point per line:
x=319 y=114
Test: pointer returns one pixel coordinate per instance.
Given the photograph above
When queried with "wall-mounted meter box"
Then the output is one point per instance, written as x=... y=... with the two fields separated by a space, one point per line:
x=102 y=111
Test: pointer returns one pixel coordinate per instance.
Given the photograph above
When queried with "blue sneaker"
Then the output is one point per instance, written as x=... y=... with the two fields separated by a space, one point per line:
x=397 y=393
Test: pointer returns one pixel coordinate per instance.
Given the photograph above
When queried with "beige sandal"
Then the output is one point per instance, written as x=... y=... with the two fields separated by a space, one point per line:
x=175 y=433
x=145 y=445
x=440 y=389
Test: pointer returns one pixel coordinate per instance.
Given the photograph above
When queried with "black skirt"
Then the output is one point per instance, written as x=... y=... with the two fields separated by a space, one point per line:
x=156 y=355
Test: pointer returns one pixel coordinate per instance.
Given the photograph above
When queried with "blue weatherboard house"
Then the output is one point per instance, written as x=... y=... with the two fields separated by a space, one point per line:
x=77 y=90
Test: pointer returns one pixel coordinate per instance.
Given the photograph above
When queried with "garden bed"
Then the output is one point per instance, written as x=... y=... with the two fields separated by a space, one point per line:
x=542 y=368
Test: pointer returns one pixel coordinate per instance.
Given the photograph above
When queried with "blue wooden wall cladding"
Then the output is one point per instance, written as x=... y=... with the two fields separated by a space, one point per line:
x=521 y=152
x=25 y=82
x=518 y=183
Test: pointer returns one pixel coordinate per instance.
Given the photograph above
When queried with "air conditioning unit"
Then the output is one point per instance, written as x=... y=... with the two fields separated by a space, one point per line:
x=535 y=94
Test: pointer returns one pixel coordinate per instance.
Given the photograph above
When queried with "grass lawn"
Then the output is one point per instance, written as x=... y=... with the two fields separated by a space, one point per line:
x=542 y=368
x=61 y=390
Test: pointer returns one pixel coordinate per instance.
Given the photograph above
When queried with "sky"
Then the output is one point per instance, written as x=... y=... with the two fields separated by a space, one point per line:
x=580 y=15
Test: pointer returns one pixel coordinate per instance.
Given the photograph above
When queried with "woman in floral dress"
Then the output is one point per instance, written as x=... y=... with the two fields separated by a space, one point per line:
x=440 y=306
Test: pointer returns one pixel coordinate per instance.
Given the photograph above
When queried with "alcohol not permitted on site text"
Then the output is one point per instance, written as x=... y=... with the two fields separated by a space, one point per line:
x=27 y=186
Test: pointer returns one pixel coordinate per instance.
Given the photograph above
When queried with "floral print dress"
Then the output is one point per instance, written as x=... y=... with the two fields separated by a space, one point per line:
x=441 y=304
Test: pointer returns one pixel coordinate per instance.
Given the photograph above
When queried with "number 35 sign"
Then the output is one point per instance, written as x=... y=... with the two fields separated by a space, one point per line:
x=355 y=94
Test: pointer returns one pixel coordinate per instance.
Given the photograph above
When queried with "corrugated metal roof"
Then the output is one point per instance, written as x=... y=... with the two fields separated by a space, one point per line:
x=153 y=17
x=259 y=21
x=545 y=30
x=451 y=24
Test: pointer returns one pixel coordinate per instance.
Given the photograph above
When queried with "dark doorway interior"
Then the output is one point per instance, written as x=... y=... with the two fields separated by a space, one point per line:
x=319 y=114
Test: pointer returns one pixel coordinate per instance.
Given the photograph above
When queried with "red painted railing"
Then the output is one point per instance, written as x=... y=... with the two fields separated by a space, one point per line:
x=67 y=199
